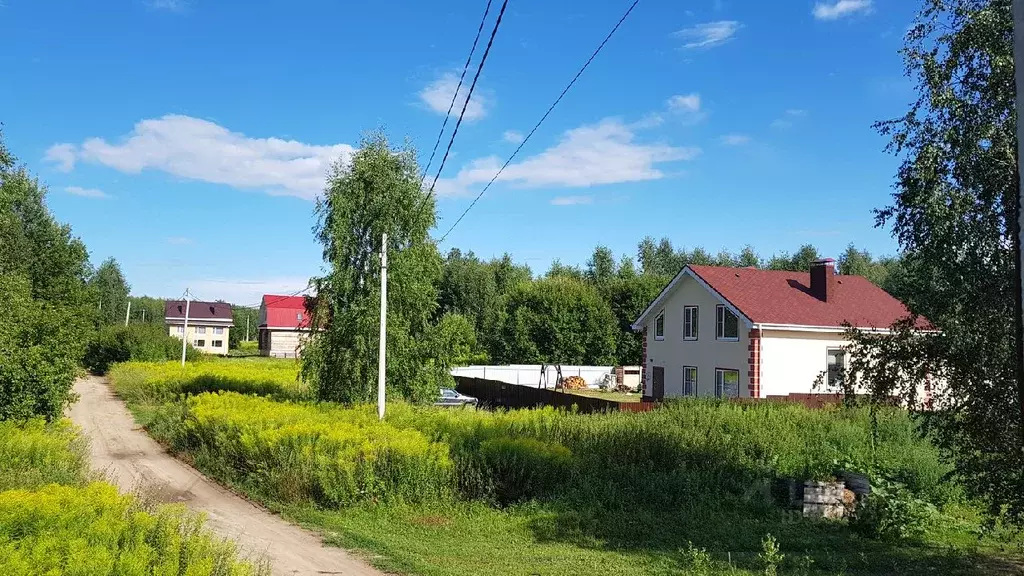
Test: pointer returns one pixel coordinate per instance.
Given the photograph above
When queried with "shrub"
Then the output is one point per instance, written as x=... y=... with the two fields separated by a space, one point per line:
x=139 y=342
x=35 y=453
x=39 y=353
x=892 y=512
x=97 y=531
x=518 y=469
x=617 y=463
x=155 y=382
x=293 y=452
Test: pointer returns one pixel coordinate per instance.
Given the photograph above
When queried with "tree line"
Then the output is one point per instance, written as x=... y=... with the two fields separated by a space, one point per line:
x=582 y=314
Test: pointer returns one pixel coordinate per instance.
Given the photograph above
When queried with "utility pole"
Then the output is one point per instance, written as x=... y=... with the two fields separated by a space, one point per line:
x=1018 y=57
x=127 y=312
x=246 y=326
x=381 y=360
x=143 y=315
x=184 y=331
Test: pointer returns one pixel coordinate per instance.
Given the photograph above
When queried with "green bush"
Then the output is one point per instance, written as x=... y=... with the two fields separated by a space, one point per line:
x=94 y=530
x=39 y=353
x=34 y=453
x=892 y=512
x=517 y=469
x=139 y=342
x=297 y=452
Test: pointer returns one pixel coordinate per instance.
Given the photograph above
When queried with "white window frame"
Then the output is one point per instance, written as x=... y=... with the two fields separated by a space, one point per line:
x=720 y=311
x=181 y=329
x=691 y=319
x=217 y=344
x=660 y=316
x=720 y=382
x=199 y=343
x=200 y=329
x=842 y=357
x=692 y=391
x=218 y=330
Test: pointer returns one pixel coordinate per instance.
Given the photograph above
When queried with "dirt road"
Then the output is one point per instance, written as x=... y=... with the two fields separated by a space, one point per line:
x=133 y=460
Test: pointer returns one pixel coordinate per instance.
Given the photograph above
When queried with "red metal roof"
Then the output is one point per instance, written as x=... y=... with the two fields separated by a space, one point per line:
x=781 y=297
x=285 y=311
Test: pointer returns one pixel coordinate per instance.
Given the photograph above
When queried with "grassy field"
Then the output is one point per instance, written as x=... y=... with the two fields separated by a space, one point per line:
x=56 y=518
x=687 y=489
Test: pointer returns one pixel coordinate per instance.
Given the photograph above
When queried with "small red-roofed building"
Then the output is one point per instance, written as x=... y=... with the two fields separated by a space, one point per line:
x=744 y=332
x=283 y=325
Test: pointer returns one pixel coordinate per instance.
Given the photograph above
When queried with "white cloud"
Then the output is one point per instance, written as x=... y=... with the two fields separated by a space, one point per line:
x=438 y=97
x=735 y=139
x=63 y=155
x=687 y=103
x=198 y=149
x=840 y=9
x=512 y=136
x=788 y=117
x=179 y=240
x=591 y=155
x=572 y=200
x=708 y=34
x=245 y=292
x=86 y=192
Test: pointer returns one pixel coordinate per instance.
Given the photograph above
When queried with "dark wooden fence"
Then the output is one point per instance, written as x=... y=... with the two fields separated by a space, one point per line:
x=500 y=394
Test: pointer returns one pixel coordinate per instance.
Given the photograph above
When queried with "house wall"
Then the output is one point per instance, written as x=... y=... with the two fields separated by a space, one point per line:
x=283 y=343
x=791 y=360
x=705 y=353
x=207 y=338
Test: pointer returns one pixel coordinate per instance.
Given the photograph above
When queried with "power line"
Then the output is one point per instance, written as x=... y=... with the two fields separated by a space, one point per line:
x=465 y=104
x=455 y=95
x=541 y=121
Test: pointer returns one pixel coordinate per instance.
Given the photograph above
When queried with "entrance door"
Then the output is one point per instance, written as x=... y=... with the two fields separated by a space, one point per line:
x=659 y=382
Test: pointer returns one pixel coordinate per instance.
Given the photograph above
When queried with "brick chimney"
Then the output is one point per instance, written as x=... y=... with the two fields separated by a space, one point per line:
x=823 y=279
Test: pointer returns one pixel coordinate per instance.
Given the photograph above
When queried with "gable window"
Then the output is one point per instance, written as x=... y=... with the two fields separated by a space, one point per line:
x=727 y=383
x=200 y=329
x=835 y=367
x=689 y=322
x=727 y=325
x=689 y=381
x=218 y=330
x=659 y=327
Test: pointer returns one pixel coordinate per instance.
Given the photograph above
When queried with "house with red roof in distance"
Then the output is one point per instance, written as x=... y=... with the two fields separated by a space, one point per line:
x=744 y=332
x=283 y=325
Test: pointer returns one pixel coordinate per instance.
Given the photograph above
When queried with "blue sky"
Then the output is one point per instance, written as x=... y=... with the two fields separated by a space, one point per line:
x=188 y=138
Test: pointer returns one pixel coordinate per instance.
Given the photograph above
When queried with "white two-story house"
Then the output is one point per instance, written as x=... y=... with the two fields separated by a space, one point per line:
x=208 y=324
x=745 y=332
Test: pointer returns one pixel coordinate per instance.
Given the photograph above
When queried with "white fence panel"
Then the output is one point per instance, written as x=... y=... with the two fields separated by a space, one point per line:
x=530 y=374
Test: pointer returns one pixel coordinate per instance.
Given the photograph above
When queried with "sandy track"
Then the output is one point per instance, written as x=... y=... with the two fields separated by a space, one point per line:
x=134 y=461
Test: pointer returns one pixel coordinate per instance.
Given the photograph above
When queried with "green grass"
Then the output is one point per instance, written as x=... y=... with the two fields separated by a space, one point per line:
x=470 y=539
x=685 y=489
